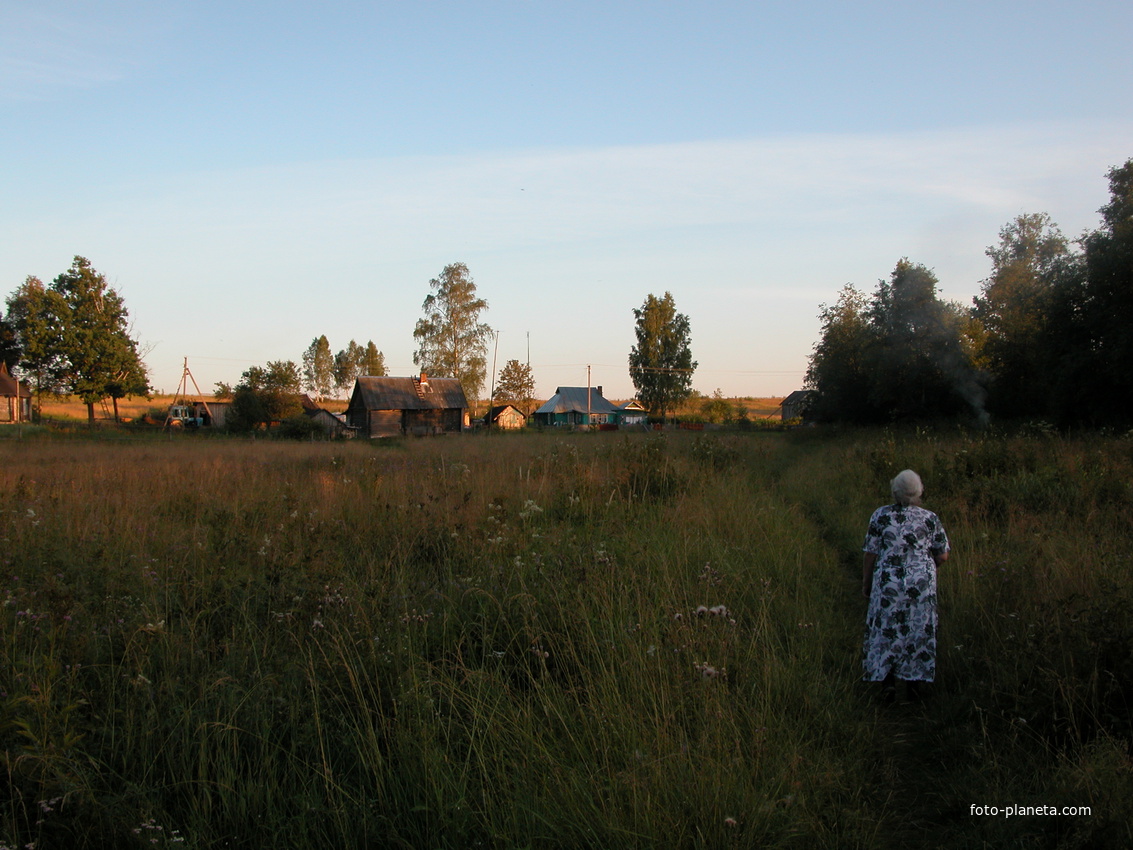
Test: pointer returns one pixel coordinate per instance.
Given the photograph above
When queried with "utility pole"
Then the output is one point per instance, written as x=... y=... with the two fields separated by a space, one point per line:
x=588 y=414
x=492 y=391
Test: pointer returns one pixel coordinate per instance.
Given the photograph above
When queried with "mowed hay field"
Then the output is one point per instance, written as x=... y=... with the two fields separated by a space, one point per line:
x=545 y=640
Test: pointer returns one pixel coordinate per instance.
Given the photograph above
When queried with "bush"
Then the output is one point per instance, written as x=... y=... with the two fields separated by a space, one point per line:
x=299 y=428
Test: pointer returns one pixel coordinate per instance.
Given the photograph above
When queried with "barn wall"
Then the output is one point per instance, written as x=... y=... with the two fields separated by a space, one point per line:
x=385 y=423
x=452 y=419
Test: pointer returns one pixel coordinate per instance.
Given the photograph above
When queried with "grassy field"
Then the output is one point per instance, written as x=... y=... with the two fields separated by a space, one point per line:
x=66 y=409
x=545 y=640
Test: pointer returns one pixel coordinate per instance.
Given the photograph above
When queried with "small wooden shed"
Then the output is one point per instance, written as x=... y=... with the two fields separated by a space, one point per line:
x=213 y=413
x=333 y=425
x=506 y=416
x=795 y=405
x=15 y=397
x=414 y=406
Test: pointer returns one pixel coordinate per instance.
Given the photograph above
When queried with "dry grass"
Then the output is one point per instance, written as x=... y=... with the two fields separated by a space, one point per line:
x=495 y=641
x=158 y=406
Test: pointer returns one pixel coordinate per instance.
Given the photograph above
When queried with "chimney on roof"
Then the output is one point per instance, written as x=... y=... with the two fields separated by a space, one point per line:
x=599 y=388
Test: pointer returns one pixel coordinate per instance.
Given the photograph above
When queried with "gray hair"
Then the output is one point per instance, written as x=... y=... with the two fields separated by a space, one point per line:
x=907 y=488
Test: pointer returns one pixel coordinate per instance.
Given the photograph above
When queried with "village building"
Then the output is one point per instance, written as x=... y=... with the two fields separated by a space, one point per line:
x=505 y=416
x=332 y=424
x=15 y=397
x=213 y=413
x=632 y=412
x=414 y=406
x=795 y=405
x=573 y=406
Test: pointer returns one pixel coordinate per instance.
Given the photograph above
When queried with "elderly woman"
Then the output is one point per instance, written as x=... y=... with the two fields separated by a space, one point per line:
x=903 y=547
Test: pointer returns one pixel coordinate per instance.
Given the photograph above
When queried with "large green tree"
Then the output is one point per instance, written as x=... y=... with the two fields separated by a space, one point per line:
x=318 y=368
x=516 y=385
x=1091 y=332
x=1013 y=310
x=9 y=345
x=266 y=394
x=90 y=350
x=922 y=366
x=904 y=354
x=35 y=316
x=373 y=362
x=347 y=367
x=840 y=369
x=452 y=342
x=661 y=364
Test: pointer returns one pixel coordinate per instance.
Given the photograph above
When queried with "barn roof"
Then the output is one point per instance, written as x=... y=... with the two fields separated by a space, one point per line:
x=797 y=396
x=573 y=400
x=498 y=410
x=386 y=393
x=9 y=386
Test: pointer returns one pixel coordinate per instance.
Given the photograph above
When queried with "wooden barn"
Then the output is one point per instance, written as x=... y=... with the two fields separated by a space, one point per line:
x=414 y=406
x=795 y=405
x=15 y=397
x=505 y=416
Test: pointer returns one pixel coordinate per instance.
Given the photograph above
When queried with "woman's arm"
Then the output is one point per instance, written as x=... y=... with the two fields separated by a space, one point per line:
x=868 y=563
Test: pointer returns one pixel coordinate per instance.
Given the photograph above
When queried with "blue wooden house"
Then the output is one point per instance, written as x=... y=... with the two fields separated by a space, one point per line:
x=574 y=406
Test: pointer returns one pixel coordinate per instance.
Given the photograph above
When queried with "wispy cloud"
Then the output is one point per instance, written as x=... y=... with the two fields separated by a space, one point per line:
x=750 y=235
x=558 y=197
x=51 y=46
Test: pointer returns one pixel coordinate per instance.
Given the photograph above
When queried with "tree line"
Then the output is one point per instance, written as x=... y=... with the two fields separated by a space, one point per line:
x=1048 y=337
x=452 y=341
x=73 y=337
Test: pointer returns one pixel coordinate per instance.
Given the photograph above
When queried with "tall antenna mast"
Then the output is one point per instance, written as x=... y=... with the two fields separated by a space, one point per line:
x=183 y=389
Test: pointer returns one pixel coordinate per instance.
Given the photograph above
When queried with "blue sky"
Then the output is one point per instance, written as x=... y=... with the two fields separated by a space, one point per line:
x=252 y=175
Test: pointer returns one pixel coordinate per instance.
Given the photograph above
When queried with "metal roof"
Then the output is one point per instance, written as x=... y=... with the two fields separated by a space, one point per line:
x=573 y=400
x=386 y=393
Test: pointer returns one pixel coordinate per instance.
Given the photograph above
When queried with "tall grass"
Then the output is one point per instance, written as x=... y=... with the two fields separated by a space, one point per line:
x=550 y=641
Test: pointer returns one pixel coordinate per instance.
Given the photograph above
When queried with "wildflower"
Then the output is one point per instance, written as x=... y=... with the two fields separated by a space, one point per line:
x=707 y=671
x=731 y=823
x=718 y=611
x=530 y=509
x=701 y=610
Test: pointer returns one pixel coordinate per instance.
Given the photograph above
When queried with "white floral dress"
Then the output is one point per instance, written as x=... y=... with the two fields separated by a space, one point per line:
x=901 y=622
